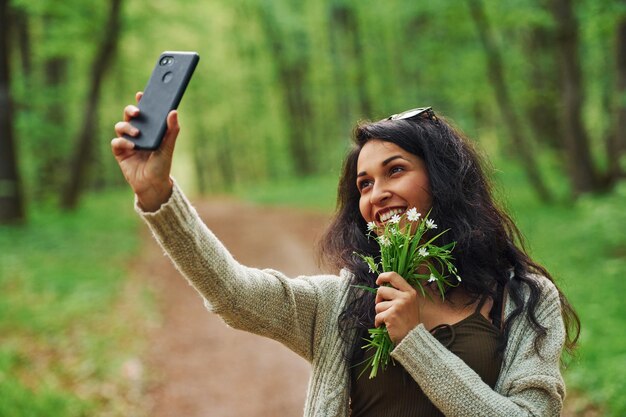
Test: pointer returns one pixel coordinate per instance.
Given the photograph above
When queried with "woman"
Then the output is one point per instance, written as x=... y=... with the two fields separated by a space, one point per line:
x=492 y=348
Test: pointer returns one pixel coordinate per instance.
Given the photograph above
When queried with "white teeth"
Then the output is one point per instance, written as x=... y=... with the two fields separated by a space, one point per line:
x=389 y=214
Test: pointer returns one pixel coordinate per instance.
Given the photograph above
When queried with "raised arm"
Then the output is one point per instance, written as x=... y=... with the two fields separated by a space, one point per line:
x=263 y=302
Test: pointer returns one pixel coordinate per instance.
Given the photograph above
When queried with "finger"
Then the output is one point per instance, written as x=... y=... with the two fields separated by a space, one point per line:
x=380 y=318
x=386 y=294
x=383 y=306
x=122 y=128
x=395 y=280
x=169 y=140
x=130 y=111
x=120 y=146
x=138 y=95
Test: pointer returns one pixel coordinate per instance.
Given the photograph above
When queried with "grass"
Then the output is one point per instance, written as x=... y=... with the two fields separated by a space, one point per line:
x=582 y=243
x=66 y=317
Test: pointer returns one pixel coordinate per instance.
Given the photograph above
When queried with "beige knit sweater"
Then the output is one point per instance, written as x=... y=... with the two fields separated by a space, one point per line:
x=302 y=314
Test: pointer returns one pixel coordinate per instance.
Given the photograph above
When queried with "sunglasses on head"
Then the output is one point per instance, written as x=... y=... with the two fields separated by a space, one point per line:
x=425 y=112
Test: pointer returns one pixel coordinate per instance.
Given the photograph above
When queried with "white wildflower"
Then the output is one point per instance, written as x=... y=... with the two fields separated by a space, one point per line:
x=432 y=278
x=413 y=215
x=395 y=219
x=430 y=224
x=384 y=241
x=371 y=226
x=422 y=252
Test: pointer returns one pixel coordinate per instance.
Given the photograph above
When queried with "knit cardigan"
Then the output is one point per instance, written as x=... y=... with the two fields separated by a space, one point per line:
x=302 y=313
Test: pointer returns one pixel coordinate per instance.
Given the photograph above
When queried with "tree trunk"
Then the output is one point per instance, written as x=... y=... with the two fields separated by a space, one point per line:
x=617 y=140
x=351 y=27
x=298 y=107
x=224 y=160
x=84 y=142
x=292 y=71
x=542 y=108
x=49 y=156
x=582 y=173
x=11 y=203
x=21 y=26
x=339 y=64
x=503 y=99
x=200 y=157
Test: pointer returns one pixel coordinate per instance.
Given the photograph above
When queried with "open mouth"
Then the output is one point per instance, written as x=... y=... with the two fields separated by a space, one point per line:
x=384 y=215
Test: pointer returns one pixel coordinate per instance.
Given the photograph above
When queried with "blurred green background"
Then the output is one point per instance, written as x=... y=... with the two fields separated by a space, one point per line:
x=540 y=85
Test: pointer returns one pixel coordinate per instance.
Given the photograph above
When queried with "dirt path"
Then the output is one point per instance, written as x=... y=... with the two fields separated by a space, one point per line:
x=199 y=366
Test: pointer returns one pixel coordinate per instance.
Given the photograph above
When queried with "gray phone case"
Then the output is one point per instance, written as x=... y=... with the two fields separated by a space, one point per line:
x=163 y=93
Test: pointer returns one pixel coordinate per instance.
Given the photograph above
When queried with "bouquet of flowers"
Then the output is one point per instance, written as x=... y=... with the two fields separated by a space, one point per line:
x=405 y=250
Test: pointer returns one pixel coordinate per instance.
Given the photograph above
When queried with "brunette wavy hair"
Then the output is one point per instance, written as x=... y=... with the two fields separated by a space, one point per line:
x=489 y=254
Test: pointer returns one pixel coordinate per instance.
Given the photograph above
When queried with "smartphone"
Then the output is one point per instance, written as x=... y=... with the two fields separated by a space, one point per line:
x=163 y=93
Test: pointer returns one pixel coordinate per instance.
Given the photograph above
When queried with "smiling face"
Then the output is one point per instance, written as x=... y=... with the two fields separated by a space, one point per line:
x=391 y=181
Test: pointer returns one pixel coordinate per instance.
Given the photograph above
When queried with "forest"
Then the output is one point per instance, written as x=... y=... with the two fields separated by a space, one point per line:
x=281 y=85
x=539 y=85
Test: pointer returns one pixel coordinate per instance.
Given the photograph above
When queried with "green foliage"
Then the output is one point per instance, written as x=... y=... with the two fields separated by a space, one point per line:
x=64 y=326
x=18 y=400
x=583 y=245
x=407 y=246
x=49 y=94
x=269 y=68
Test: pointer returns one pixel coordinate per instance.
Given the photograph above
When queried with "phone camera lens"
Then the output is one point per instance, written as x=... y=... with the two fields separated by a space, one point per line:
x=166 y=60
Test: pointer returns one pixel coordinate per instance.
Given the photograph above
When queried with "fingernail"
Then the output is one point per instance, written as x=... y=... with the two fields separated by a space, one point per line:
x=134 y=131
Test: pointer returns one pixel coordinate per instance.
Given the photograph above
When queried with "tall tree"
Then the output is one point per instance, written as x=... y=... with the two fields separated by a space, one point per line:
x=11 y=203
x=503 y=98
x=339 y=61
x=21 y=26
x=84 y=142
x=581 y=170
x=345 y=27
x=542 y=103
x=290 y=52
x=617 y=140
x=48 y=155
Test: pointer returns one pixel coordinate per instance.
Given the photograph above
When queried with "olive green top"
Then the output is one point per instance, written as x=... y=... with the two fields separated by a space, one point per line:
x=393 y=393
x=302 y=314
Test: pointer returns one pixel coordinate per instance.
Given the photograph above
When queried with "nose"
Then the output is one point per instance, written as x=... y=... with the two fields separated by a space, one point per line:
x=379 y=193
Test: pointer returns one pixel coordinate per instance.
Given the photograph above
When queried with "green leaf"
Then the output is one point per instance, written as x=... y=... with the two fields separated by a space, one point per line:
x=402 y=256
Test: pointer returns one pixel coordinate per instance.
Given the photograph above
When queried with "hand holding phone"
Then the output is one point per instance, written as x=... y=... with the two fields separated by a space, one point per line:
x=162 y=94
x=144 y=127
x=147 y=172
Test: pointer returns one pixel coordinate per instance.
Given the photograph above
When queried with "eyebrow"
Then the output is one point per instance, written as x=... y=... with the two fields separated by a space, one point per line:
x=384 y=163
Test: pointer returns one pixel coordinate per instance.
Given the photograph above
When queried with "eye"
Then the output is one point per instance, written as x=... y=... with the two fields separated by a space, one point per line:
x=362 y=185
x=396 y=169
